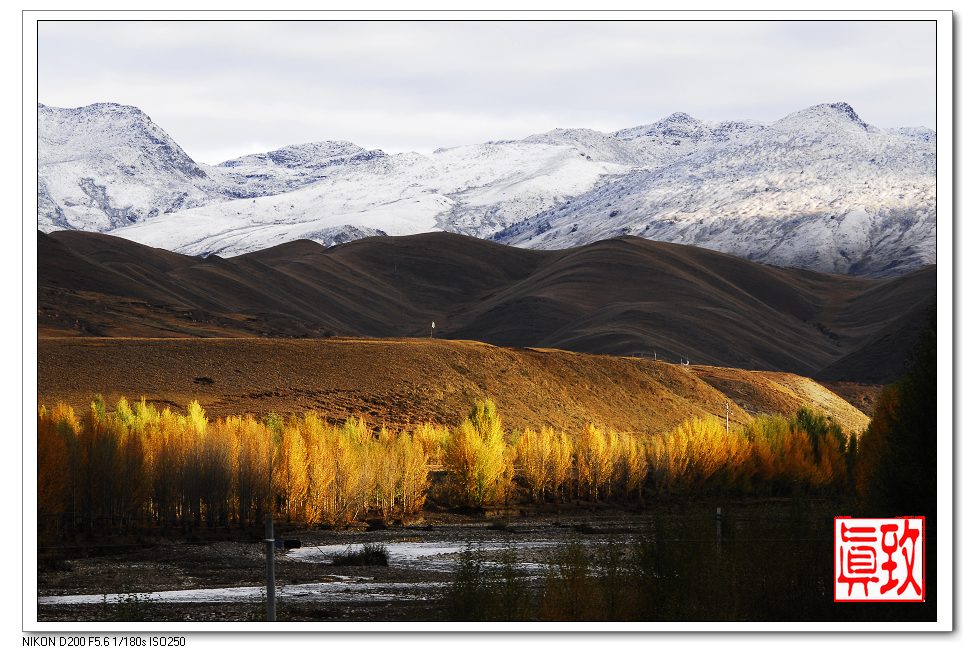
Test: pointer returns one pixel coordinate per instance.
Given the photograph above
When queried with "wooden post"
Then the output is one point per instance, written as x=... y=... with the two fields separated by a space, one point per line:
x=269 y=543
x=717 y=521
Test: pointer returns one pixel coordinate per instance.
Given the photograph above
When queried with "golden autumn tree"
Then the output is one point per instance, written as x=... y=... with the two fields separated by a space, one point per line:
x=415 y=473
x=56 y=434
x=560 y=464
x=291 y=472
x=478 y=458
x=533 y=455
x=321 y=506
x=597 y=450
x=634 y=462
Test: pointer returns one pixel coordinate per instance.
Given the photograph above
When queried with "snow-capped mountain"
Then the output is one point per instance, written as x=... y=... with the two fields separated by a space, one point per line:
x=819 y=188
x=476 y=190
x=289 y=168
x=107 y=165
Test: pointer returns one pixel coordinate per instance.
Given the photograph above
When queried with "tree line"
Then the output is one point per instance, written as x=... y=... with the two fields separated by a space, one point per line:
x=136 y=465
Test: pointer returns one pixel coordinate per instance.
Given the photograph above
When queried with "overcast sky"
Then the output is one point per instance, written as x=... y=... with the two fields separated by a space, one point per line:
x=224 y=89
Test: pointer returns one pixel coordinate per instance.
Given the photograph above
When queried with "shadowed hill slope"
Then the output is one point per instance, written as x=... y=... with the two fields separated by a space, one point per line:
x=625 y=296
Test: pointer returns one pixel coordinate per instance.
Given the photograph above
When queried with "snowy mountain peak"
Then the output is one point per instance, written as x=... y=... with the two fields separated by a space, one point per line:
x=676 y=125
x=305 y=155
x=560 y=134
x=818 y=189
x=289 y=168
x=588 y=143
x=845 y=109
x=678 y=118
x=107 y=129
x=99 y=108
x=106 y=165
x=824 y=117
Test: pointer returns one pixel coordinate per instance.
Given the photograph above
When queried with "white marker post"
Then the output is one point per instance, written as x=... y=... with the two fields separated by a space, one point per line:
x=433 y=325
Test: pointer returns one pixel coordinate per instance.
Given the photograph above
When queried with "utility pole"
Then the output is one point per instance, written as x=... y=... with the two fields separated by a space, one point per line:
x=727 y=410
x=269 y=544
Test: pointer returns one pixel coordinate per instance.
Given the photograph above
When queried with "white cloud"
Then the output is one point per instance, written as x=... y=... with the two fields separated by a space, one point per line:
x=222 y=87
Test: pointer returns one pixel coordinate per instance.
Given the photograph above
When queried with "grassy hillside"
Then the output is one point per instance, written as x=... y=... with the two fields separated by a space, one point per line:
x=400 y=381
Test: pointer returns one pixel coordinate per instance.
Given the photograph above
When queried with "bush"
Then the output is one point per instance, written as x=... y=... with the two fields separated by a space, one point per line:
x=466 y=597
x=369 y=554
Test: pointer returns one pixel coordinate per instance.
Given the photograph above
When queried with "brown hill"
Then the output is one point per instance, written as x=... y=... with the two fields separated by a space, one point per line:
x=883 y=353
x=625 y=296
x=409 y=380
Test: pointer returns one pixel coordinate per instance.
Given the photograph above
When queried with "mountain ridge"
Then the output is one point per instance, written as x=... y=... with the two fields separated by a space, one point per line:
x=625 y=296
x=819 y=188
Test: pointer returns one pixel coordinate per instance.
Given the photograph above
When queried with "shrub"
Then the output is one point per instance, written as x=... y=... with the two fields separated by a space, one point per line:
x=369 y=554
x=466 y=597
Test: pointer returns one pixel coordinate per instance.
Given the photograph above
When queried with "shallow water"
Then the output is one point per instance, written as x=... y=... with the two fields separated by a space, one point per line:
x=429 y=559
x=344 y=589
x=439 y=555
x=703 y=567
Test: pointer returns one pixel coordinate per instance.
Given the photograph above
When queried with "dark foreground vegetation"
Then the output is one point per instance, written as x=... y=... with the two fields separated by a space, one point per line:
x=370 y=554
x=764 y=560
x=776 y=566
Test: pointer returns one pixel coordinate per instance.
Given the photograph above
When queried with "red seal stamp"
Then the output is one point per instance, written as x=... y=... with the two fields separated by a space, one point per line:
x=878 y=559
